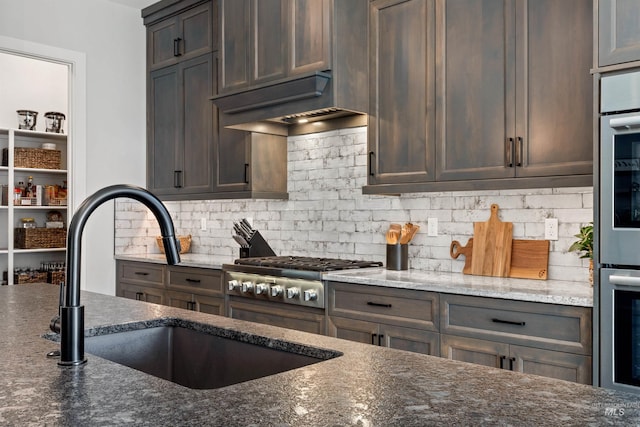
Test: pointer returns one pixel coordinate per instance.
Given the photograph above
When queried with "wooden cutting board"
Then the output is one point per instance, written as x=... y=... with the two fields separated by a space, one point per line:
x=456 y=249
x=529 y=258
x=492 y=246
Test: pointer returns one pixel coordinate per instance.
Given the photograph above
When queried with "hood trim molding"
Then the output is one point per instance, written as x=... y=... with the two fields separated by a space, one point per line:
x=295 y=89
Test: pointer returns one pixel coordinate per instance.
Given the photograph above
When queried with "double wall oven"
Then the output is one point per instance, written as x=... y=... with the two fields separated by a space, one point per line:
x=619 y=232
x=286 y=291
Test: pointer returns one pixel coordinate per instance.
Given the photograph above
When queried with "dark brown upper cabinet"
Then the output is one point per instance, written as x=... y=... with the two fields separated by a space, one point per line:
x=508 y=103
x=401 y=127
x=618 y=32
x=179 y=37
x=180 y=126
x=267 y=40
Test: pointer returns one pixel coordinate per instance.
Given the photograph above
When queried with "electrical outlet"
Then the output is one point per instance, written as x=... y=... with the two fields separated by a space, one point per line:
x=203 y=224
x=551 y=228
x=432 y=227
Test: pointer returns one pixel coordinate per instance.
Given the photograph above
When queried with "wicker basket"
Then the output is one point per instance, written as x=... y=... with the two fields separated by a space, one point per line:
x=185 y=243
x=36 y=158
x=55 y=277
x=30 y=277
x=36 y=238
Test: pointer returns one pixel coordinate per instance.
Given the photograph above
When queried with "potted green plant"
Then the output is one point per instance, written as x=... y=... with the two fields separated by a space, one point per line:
x=584 y=244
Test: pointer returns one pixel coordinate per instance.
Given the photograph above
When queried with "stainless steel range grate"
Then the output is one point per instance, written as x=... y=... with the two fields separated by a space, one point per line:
x=306 y=263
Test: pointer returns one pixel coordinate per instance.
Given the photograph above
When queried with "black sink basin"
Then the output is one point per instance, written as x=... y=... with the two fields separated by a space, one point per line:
x=200 y=356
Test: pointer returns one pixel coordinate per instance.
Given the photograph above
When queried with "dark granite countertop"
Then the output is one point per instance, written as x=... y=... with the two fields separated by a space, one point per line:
x=366 y=386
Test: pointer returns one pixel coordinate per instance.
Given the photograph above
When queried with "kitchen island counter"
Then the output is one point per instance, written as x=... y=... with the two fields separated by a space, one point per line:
x=366 y=386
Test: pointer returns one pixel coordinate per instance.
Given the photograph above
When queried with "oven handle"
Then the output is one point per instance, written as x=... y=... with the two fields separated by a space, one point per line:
x=625 y=122
x=624 y=280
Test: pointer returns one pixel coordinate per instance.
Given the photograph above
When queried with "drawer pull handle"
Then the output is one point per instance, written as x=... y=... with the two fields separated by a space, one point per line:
x=141 y=273
x=377 y=304
x=380 y=340
x=502 y=358
x=373 y=339
x=139 y=296
x=192 y=280
x=511 y=360
x=508 y=322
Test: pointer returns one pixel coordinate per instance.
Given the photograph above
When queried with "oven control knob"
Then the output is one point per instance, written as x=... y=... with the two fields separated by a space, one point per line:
x=293 y=293
x=234 y=285
x=276 y=291
x=247 y=287
x=262 y=289
x=310 y=295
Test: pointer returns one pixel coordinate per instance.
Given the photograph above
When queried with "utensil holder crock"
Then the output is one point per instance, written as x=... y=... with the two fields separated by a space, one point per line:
x=397 y=257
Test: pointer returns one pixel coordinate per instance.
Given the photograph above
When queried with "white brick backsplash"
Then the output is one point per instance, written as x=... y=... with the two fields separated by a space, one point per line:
x=327 y=214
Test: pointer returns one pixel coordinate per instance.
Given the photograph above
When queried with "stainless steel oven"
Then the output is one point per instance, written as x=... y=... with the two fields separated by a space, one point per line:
x=285 y=291
x=619 y=232
x=620 y=305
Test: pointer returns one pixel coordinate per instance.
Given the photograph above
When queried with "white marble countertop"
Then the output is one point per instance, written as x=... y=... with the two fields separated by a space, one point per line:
x=546 y=291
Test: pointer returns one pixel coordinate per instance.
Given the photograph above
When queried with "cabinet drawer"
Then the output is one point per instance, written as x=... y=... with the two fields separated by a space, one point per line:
x=392 y=306
x=195 y=279
x=140 y=272
x=550 y=326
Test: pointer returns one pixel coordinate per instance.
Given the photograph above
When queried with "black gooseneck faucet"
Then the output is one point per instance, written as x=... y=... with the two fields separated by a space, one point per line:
x=70 y=322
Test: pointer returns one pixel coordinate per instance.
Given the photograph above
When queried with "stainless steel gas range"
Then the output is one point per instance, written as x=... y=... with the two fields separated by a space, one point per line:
x=286 y=291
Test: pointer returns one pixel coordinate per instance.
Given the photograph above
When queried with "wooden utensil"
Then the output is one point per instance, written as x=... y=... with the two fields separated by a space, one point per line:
x=455 y=250
x=529 y=259
x=492 y=246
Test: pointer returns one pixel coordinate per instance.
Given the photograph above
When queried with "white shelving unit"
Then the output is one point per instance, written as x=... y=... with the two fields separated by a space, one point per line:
x=11 y=257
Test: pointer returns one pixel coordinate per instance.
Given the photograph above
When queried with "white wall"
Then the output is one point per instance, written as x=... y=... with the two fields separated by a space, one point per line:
x=327 y=214
x=112 y=37
x=30 y=84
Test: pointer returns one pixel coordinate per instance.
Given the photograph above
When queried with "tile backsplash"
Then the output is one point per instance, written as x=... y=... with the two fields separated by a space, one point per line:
x=327 y=214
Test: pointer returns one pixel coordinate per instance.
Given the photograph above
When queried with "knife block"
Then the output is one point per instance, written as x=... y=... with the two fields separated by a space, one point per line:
x=258 y=247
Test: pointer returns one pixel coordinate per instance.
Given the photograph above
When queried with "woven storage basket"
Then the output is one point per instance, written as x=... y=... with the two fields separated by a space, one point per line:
x=55 y=277
x=36 y=238
x=185 y=243
x=30 y=277
x=37 y=158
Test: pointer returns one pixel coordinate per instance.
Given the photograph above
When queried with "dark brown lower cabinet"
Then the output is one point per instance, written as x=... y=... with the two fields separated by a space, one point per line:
x=282 y=315
x=195 y=302
x=529 y=360
x=189 y=288
x=140 y=293
x=397 y=337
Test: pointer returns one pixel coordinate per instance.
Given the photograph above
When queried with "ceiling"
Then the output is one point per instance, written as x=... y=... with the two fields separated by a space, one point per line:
x=136 y=4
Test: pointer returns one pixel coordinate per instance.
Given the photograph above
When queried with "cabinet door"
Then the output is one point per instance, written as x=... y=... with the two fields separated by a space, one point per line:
x=353 y=330
x=269 y=30
x=553 y=364
x=618 y=31
x=140 y=293
x=180 y=37
x=235 y=44
x=162 y=47
x=209 y=305
x=402 y=78
x=164 y=135
x=480 y=352
x=554 y=93
x=197 y=119
x=475 y=90
x=410 y=339
x=309 y=31
x=182 y=300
